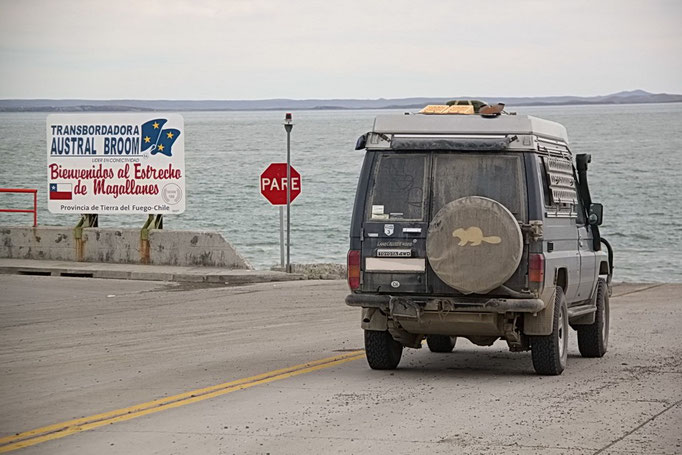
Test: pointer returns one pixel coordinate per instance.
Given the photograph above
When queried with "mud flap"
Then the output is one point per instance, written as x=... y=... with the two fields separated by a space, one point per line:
x=586 y=319
x=374 y=319
x=403 y=337
x=540 y=323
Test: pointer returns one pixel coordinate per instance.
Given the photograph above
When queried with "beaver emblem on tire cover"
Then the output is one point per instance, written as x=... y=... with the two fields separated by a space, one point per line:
x=473 y=235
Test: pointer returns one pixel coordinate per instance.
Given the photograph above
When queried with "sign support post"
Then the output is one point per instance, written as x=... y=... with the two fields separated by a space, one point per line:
x=153 y=222
x=88 y=220
x=275 y=187
x=281 y=236
x=288 y=126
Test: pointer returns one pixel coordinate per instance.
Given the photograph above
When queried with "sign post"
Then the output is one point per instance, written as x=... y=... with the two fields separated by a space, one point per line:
x=281 y=236
x=275 y=188
x=288 y=126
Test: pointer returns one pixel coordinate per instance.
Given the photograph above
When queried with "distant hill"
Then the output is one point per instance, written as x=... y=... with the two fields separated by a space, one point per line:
x=46 y=105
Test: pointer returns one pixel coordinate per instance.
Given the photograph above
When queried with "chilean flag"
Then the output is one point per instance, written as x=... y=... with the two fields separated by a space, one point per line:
x=60 y=191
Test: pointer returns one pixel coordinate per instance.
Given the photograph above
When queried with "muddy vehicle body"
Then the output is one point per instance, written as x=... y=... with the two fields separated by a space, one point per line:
x=480 y=227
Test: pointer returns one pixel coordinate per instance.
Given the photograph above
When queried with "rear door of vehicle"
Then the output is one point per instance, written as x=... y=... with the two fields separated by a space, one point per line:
x=395 y=224
x=494 y=175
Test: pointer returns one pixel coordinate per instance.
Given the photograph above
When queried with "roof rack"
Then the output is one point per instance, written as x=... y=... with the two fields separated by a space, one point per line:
x=464 y=107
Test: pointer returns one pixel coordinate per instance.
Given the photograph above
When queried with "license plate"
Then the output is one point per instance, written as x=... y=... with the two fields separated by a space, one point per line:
x=394 y=253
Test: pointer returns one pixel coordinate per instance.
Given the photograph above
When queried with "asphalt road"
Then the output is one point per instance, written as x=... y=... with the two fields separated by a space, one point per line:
x=233 y=370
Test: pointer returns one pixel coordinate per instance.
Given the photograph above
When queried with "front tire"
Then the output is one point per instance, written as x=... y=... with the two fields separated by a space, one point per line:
x=441 y=343
x=382 y=351
x=551 y=351
x=593 y=339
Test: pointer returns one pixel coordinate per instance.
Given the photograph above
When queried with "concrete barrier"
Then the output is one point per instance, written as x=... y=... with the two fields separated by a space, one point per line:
x=181 y=248
x=111 y=245
x=205 y=248
x=45 y=242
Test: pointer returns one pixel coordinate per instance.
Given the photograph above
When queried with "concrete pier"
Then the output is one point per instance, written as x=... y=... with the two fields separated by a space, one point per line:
x=178 y=274
x=152 y=367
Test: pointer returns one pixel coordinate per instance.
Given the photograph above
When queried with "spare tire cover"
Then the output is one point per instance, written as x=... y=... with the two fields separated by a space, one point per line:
x=474 y=244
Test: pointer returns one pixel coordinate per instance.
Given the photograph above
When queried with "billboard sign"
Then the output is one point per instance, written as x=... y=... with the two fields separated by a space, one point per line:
x=116 y=163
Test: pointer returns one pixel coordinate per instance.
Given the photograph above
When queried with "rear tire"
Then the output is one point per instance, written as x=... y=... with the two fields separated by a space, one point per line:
x=551 y=351
x=593 y=339
x=441 y=343
x=382 y=351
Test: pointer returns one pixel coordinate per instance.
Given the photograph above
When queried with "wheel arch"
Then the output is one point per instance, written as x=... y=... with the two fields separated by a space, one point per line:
x=561 y=278
x=604 y=268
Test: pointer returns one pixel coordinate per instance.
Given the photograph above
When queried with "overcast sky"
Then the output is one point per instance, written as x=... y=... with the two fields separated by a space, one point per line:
x=254 y=49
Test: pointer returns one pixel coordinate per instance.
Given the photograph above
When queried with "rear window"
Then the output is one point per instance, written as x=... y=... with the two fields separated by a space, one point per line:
x=398 y=188
x=495 y=176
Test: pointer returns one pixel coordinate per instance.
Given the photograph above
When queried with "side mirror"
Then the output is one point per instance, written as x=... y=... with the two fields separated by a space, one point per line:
x=596 y=214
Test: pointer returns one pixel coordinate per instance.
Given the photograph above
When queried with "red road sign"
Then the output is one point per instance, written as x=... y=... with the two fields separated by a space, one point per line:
x=273 y=183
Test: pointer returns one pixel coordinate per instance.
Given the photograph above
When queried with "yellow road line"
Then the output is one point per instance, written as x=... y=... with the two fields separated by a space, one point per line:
x=62 y=429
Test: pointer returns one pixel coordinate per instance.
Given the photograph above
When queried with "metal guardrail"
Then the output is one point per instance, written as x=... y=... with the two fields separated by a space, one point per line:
x=35 y=202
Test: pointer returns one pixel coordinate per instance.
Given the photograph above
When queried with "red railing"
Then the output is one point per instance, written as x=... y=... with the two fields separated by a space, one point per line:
x=34 y=211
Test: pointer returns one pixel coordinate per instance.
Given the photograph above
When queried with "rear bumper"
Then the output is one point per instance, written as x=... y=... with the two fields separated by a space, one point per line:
x=393 y=304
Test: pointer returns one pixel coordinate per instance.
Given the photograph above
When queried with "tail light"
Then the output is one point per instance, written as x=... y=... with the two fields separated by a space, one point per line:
x=354 y=269
x=536 y=268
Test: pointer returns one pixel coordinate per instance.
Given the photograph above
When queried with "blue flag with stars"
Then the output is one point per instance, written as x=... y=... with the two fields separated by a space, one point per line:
x=150 y=133
x=166 y=140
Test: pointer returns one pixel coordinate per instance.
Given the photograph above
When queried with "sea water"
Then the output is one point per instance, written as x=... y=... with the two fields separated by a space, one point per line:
x=636 y=172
